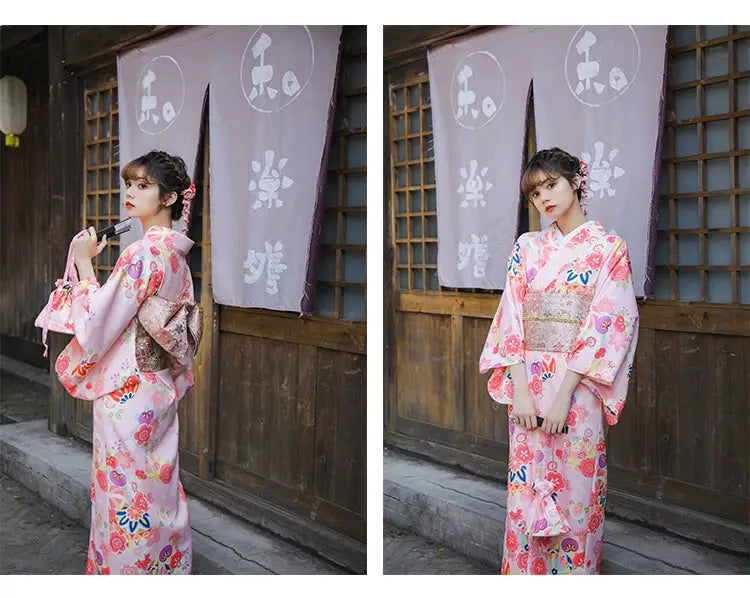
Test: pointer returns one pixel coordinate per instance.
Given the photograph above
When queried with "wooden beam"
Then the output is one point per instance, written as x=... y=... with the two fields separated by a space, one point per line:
x=318 y=332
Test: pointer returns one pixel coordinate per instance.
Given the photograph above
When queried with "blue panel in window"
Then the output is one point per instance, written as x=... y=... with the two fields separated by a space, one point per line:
x=354 y=266
x=324 y=300
x=743 y=133
x=718 y=174
x=683 y=35
x=744 y=210
x=687 y=250
x=689 y=285
x=687 y=177
x=684 y=67
x=745 y=287
x=713 y=31
x=719 y=287
x=716 y=61
x=661 y=285
x=357 y=111
x=356 y=154
x=717 y=99
x=687 y=213
x=355 y=226
x=742 y=55
x=354 y=304
x=356 y=190
x=717 y=212
x=662 y=249
x=718 y=250
x=686 y=141
x=717 y=136
x=685 y=104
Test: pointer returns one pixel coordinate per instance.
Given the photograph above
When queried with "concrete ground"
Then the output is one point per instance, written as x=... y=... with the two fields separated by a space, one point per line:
x=405 y=553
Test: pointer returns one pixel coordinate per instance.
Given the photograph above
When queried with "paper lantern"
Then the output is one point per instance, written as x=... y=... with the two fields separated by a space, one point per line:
x=12 y=109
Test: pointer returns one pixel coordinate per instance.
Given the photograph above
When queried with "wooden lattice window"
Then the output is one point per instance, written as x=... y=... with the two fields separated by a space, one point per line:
x=703 y=244
x=342 y=272
x=101 y=207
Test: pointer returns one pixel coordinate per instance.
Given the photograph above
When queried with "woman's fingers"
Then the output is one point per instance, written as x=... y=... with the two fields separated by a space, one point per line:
x=101 y=245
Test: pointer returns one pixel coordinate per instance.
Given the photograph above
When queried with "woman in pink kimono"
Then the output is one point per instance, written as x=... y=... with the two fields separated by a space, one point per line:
x=561 y=348
x=135 y=338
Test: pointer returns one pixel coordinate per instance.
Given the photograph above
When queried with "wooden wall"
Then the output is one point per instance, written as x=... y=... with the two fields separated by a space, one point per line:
x=25 y=207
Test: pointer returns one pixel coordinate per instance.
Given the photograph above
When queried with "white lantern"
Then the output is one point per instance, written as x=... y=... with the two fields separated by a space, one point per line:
x=12 y=108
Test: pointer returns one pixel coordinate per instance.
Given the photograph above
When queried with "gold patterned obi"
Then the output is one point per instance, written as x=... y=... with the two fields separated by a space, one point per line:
x=551 y=321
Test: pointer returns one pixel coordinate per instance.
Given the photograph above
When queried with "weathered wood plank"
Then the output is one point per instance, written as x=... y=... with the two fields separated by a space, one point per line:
x=349 y=337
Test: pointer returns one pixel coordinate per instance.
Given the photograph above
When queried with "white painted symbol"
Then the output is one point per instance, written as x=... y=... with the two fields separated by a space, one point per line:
x=477 y=248
x=161 y=89
x=269 y=182
x=474 y=186
x=589 y=49
x=477 y=75
x=263 y=62
x=602 y=171
x=269 y=262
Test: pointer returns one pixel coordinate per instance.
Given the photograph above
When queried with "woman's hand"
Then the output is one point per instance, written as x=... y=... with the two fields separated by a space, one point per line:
x=555 y=418
x=85 y=248
x=524 y=412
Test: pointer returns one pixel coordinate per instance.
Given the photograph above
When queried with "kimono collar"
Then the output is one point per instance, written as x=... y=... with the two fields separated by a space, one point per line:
x=553 y=235
x=160 y=234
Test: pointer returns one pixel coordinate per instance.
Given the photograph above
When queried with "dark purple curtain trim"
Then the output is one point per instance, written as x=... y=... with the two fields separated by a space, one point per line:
x=307 y=304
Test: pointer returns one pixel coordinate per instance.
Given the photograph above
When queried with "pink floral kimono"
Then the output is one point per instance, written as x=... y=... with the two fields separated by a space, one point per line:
x=568 y=303
x=135 y=338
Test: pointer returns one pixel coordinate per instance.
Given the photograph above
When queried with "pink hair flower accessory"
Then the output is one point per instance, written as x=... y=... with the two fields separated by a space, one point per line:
x=189 y=193
x=583 y=171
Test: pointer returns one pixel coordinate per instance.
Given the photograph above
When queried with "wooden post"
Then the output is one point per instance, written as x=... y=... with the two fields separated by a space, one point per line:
x=65 y=204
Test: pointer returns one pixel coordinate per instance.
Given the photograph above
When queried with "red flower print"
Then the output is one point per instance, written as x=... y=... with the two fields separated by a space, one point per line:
x=523 y=561
x=523 y=454
x=155 y=282
x=140 y=474
x=557 y=481
x=117 y=543
x=140 y=502
x=619 y=323
x=595 y=521
x=588 y=467
x=131 y=384
x=511 y=541
x=494 y=383
x=165 y=475
x=512 y=344
x=600 y=353
x=570 y=421
x=89 y=567
x=595 y=260
x=62 y=363
x=174 y=262
x=104 y=571
x=536 y=386
x=143 y=434
x=539 y=567
x=578 y=559
x=144 y=563
x=620 y=273
x=600 y=447
x=92 y=491
x=516 y=516
x=101 y=479
x=175 y=560
x=154 y=250
x=111 y=461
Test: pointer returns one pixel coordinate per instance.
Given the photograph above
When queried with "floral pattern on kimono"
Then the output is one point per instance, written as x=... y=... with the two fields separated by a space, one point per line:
x=568 y=303
x=139 y=515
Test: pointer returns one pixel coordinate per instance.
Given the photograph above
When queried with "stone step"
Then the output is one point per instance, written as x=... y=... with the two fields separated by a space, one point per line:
x=467 y=514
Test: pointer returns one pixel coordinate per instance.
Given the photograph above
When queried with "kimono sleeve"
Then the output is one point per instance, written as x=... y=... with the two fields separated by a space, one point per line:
x=101 y=314
x=505 y=342
x=604 y=349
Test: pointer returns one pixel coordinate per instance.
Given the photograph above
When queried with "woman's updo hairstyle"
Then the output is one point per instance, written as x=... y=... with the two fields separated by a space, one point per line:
x=167 y=171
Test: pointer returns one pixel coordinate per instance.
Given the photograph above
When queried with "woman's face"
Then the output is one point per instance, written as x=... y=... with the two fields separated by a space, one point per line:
x=142 y=197
x=554 y=195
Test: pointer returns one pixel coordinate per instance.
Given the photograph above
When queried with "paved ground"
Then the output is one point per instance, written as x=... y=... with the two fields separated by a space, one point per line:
x=36 y=539
x=407 y=554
